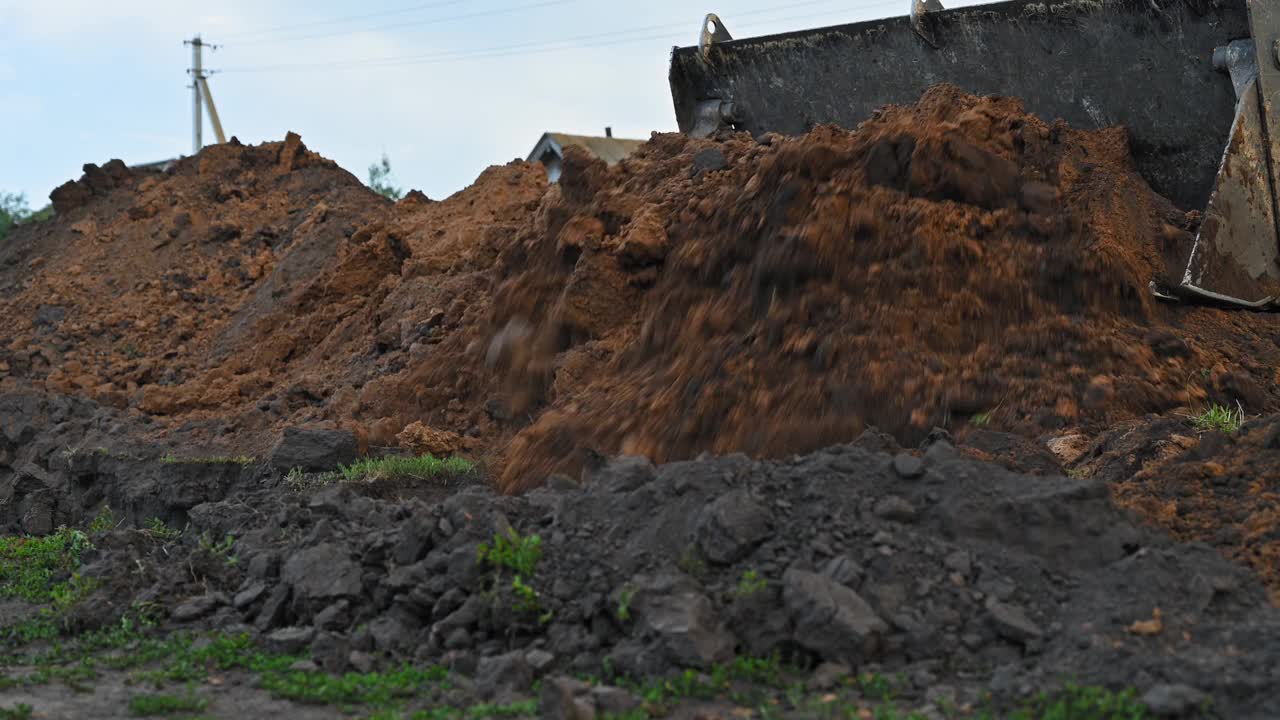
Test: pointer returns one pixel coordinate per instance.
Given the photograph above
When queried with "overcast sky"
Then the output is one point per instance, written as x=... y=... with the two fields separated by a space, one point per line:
x=91 y=80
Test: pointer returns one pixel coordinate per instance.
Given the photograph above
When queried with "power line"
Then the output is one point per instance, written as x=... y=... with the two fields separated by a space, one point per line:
x=593 y=36
x=347 y=19
x=537 y=47
x=400 y=26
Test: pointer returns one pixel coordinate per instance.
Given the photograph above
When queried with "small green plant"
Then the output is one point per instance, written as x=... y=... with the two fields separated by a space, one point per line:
x=404 y=468
x=1220 y=418
x=296 y=479
x=41 y=627
x=66 y=594
x=130 y=350
x=28 y=565
x=624 y=603
x=157 y=529
x=981 y=419
x=104 y=521
x=751 y=583
x=762 y=670
x=691 y=562
x=17 y=712
x=520 y=554
x=220 y=549
x=527 y=599
x=47 y=622
x=150 y=705
x=876 y=687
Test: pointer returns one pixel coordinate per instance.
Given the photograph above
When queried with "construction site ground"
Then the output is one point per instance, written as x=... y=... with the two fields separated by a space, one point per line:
x=881 y=422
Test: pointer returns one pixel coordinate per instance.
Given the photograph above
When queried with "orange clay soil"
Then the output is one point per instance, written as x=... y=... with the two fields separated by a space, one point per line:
x=956 y=262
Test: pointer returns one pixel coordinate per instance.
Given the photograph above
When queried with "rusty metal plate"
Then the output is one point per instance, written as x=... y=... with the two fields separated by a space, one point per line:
x=1235 y=255
x=1264 y=21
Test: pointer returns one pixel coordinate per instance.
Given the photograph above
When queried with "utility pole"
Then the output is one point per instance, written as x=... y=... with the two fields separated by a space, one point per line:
x=200 y=92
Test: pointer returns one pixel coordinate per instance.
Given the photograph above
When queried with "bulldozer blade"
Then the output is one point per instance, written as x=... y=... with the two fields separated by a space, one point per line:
x=1234 y=258
x=1146 y=65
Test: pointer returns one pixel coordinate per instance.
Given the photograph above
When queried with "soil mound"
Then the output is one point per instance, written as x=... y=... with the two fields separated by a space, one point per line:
x=145 y=283
x=948 y=263
x=955 y=576
x=954 y=261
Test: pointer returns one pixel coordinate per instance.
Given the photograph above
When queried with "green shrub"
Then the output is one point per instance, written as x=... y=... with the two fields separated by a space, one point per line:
x=29 y=564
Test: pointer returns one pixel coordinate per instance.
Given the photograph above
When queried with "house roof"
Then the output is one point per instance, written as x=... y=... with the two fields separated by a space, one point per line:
x=609 y=149
x=160 y=165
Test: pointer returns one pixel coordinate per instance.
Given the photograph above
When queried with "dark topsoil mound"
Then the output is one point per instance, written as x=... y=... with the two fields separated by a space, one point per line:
x=963 y=577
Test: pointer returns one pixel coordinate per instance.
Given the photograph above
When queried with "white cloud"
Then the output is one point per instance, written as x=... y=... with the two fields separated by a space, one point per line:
x=77 y=20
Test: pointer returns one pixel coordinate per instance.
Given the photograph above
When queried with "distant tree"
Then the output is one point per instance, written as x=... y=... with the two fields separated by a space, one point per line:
x=379 y=180
x=13 y=210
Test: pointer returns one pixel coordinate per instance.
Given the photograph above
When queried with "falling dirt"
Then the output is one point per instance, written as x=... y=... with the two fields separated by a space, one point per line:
x=951 y=262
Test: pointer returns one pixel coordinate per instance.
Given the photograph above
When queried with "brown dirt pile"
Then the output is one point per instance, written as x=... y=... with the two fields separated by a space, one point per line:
x=955 y=261
x=949 y=263
x=140 y=294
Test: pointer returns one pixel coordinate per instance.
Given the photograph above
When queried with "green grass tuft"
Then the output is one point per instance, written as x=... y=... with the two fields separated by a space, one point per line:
x=1076 y=702
x=1220 y=418
x=241 y=460
x=150 y=705
x=403 y=468
x=376 y=689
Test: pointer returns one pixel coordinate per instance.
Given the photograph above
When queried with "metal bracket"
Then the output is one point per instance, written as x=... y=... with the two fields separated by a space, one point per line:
x=710 y=117
x=1240 y=61
x=920 y=9
x=713 y=31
